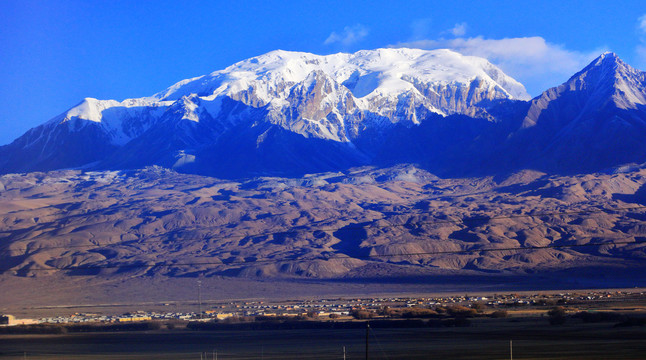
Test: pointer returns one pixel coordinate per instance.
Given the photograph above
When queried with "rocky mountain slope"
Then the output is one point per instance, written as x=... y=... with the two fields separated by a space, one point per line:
x=596 y=119
x=289 y=114
x=279 y=97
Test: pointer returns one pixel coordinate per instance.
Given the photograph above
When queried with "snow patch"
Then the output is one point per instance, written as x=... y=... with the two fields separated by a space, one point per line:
x=392 y=83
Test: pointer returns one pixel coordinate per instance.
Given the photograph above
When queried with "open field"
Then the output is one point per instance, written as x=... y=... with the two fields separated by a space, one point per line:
x=533 y=338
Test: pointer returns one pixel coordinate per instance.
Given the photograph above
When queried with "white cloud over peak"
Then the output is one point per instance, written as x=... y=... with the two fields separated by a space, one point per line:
x=533 y=61
x=349 y=36
x=459 y=29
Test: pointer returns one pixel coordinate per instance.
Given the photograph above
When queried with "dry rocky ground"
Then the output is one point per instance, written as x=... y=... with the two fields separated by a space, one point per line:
x=75 y=237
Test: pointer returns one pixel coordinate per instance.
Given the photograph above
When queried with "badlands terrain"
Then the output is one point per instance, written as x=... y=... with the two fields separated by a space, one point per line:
x=74 y=237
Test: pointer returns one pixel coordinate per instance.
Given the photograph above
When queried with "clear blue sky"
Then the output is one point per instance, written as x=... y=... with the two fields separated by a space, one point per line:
x=55 y=53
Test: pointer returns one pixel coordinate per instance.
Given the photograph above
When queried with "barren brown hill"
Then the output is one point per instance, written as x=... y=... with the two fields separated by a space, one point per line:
x=151 y=232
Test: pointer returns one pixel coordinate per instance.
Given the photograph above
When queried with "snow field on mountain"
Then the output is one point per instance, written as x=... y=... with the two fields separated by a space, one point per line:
x=303 y=91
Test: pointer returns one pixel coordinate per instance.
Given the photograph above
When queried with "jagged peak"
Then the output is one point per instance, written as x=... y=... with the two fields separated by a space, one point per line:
x=88 y=109
x=607 y=80
x=608 y=62
x=608 y=55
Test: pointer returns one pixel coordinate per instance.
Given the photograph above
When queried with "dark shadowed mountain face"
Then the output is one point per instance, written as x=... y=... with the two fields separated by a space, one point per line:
x=595 y=120
x=50 y=147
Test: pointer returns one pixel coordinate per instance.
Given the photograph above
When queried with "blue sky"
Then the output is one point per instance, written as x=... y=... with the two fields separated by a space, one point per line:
x=55 y=53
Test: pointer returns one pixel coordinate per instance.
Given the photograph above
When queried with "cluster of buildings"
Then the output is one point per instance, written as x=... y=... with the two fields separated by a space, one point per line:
x=124 y=318
x=332 y=308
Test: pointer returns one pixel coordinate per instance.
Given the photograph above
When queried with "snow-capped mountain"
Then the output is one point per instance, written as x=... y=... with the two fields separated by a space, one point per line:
x=288 y=113
x=442 y=80
x=330 y=98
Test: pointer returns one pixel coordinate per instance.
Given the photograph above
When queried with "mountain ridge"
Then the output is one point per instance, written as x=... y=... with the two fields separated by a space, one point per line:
x=595 y=120
x=456 y=115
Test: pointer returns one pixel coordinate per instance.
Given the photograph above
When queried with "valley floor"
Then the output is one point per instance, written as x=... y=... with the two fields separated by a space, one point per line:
x=56 y=295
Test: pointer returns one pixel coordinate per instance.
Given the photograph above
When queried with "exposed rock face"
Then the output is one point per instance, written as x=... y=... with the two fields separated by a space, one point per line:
x=289 y=114
x=336 y=98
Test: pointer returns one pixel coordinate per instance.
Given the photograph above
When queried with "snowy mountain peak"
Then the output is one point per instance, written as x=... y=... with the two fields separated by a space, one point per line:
x=607 y=67
x=612 y=79
x=382 y=72
x=89 y=109
x=390 y=83
x=607 y=83
x=335 y=98
x=608 y=55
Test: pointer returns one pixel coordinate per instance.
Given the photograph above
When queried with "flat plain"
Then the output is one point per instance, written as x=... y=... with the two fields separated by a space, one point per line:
x=532 y=338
